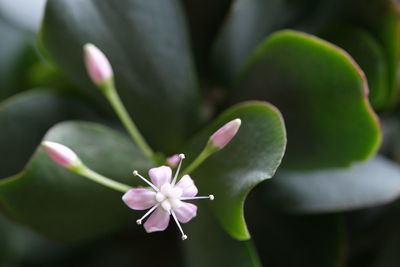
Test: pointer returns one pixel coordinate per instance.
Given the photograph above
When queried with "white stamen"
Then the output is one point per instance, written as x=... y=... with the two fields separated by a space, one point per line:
x=136 y=173
x=139 y=222
x=184 y=237
x=210 y=197
x=182 y=157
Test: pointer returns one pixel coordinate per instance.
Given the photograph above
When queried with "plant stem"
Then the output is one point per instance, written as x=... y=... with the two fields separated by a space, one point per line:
x=111 y=94
x=100 y=179
x=196 y=163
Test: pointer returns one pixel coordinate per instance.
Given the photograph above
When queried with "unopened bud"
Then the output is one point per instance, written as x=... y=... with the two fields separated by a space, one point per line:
x=173 y=160
x=225 y=134
x=97 y=65
x=61 y=154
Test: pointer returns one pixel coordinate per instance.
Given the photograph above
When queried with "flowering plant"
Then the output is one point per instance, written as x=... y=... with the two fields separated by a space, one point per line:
x=133 y=86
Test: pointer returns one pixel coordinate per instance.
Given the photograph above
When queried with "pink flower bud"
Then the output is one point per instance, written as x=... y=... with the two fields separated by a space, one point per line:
x=61 y=154
x=97 y=65
x=173 y=160
x=225 y=134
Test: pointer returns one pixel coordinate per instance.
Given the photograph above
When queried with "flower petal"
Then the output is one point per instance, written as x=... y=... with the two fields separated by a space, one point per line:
x=186 y=212
x=188 y=186
x=140 y=198
x=158 y=221
x=160 y=175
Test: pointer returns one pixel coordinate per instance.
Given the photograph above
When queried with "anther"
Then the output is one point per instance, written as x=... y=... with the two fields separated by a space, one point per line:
x=139 y=222
x=182 y=157
x=184 y=237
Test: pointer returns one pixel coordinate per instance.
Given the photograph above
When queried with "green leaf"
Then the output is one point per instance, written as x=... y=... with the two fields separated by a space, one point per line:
x=372 y=183
x=209 y=245
x=64 y=206
x=16 y=56
x=369 y=54
x=148 y=46
x=24 y=120
x=252 y=156
x=250 y=21
x=322 y=95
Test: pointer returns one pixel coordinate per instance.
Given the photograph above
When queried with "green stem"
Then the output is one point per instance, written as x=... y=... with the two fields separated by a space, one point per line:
x=196 y=163
x=111 y=93
x=100 y=179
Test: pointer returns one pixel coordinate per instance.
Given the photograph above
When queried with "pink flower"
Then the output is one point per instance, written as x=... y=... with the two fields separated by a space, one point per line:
x=97 y=65
x=165 y=197
x=225 y=134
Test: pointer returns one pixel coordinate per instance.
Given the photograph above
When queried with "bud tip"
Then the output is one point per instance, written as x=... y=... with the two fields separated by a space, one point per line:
x=97 y=64
x=225 y=134
x=61 y=154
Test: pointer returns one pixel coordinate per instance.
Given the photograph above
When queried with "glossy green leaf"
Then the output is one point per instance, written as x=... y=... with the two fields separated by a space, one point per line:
x=369 y=54
x=252 y=156
x=16 y=56
x=209 y=245
x=148 y=46
x=322 y=95
x=24 y=120
x=372 y=183
x=65 y=206
x=250 y=21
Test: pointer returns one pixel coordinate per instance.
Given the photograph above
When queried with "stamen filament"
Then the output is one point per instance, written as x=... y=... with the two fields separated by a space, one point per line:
x=181 y=157
x=147 y=214
x=136 y=173
x=210 y=197
x=184 y=237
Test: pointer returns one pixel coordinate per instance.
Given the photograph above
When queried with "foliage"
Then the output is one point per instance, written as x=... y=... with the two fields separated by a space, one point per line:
x=313 y=172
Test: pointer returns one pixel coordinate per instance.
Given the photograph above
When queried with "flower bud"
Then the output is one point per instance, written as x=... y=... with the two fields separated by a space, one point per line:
x=61 y=154
x=173 y=160
x=225 y=134
x=97 y=65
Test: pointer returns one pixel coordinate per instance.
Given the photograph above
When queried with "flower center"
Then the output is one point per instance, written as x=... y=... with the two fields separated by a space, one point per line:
x=169 y=197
